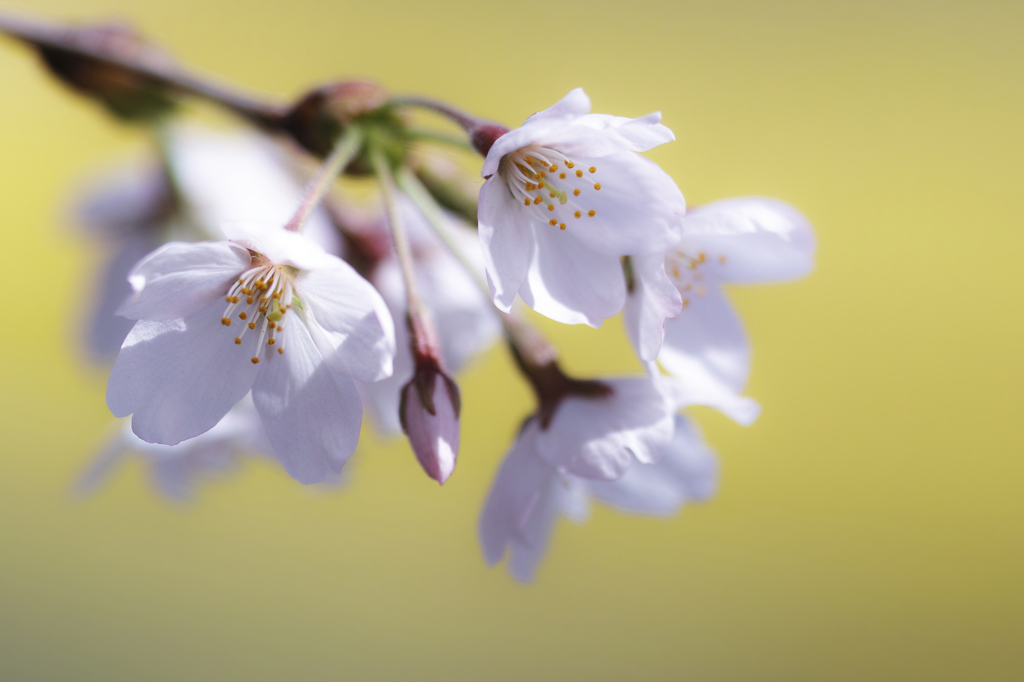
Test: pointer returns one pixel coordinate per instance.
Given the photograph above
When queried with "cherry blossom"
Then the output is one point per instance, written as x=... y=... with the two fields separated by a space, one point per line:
x=269 y=311
x=566 y=197
x=529 y=495
x=209 y=178
x=745 y=240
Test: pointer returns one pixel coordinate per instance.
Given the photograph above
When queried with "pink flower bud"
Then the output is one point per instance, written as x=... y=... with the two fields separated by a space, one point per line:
x=430 y=418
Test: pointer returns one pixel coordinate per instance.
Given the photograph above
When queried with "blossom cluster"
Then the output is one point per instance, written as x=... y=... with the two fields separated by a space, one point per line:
x=249 y=305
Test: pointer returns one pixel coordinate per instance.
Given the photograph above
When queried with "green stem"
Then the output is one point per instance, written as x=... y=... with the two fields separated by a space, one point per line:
x=345 y=149
x=443 y=138
x=422 y=332
x=525 y=340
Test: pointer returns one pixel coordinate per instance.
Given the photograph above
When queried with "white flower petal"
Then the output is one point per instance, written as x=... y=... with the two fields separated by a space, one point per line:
x=599 y=437
x=703 y=388
x=570 y=107
x=178 y=279
x=632 y=134
x=560 y=496
x=653 y=298
x=507 y=241
x=281 y=246
x=105 y=330
x=179 y=377
x=311 y=413
x=573 y=105
x=239 y=176
x=637 y=210
x=707 y=338
x=348 y=320
x=514 y=494
x=597 y=136
x=687 y=471
x=570 y=283
x=751 y=240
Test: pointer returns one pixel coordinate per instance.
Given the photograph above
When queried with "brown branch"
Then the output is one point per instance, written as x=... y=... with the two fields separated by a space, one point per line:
x=146 y=63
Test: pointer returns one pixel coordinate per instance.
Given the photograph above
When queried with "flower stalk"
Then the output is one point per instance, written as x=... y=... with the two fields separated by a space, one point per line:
x=345 y=149
x=536 y=358
x=482 y=133
x=72 y=43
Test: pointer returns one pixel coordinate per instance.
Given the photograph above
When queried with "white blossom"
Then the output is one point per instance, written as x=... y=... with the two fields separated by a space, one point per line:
x=209 y=178
x=735 y=241
x=566 y=197
x=267 y=311
x=529 y=495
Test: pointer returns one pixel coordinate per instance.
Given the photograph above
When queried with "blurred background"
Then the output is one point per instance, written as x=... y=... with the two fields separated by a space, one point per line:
x=869 y=526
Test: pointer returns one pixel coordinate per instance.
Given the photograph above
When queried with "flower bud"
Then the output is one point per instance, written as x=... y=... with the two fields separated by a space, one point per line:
x=127 y=93
x=483 y=136
x=321 y=116
x=429 y=412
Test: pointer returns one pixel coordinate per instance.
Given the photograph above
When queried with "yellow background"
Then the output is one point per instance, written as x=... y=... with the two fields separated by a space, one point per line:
x=868 y=527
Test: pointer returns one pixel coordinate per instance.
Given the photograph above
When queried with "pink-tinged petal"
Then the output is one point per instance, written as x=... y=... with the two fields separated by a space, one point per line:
x=281 y=246
x=570 y=283
x=750 y=240
x=653 y=298
x=707 y=338
x=178 y=279
x=348 y=320
x=434 y=437
x=179 y=377
x=687 y=471
x=312 y=414
x=507 y=241
x=598 y=437
x=636 y=212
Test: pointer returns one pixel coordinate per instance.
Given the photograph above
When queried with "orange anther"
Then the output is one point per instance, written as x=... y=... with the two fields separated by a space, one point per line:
x=225 y=321
x=591 y=213
x=577 y=214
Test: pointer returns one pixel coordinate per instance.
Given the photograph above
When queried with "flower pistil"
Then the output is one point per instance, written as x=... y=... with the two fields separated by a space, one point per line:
x=264 y=294
x=545 y=180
